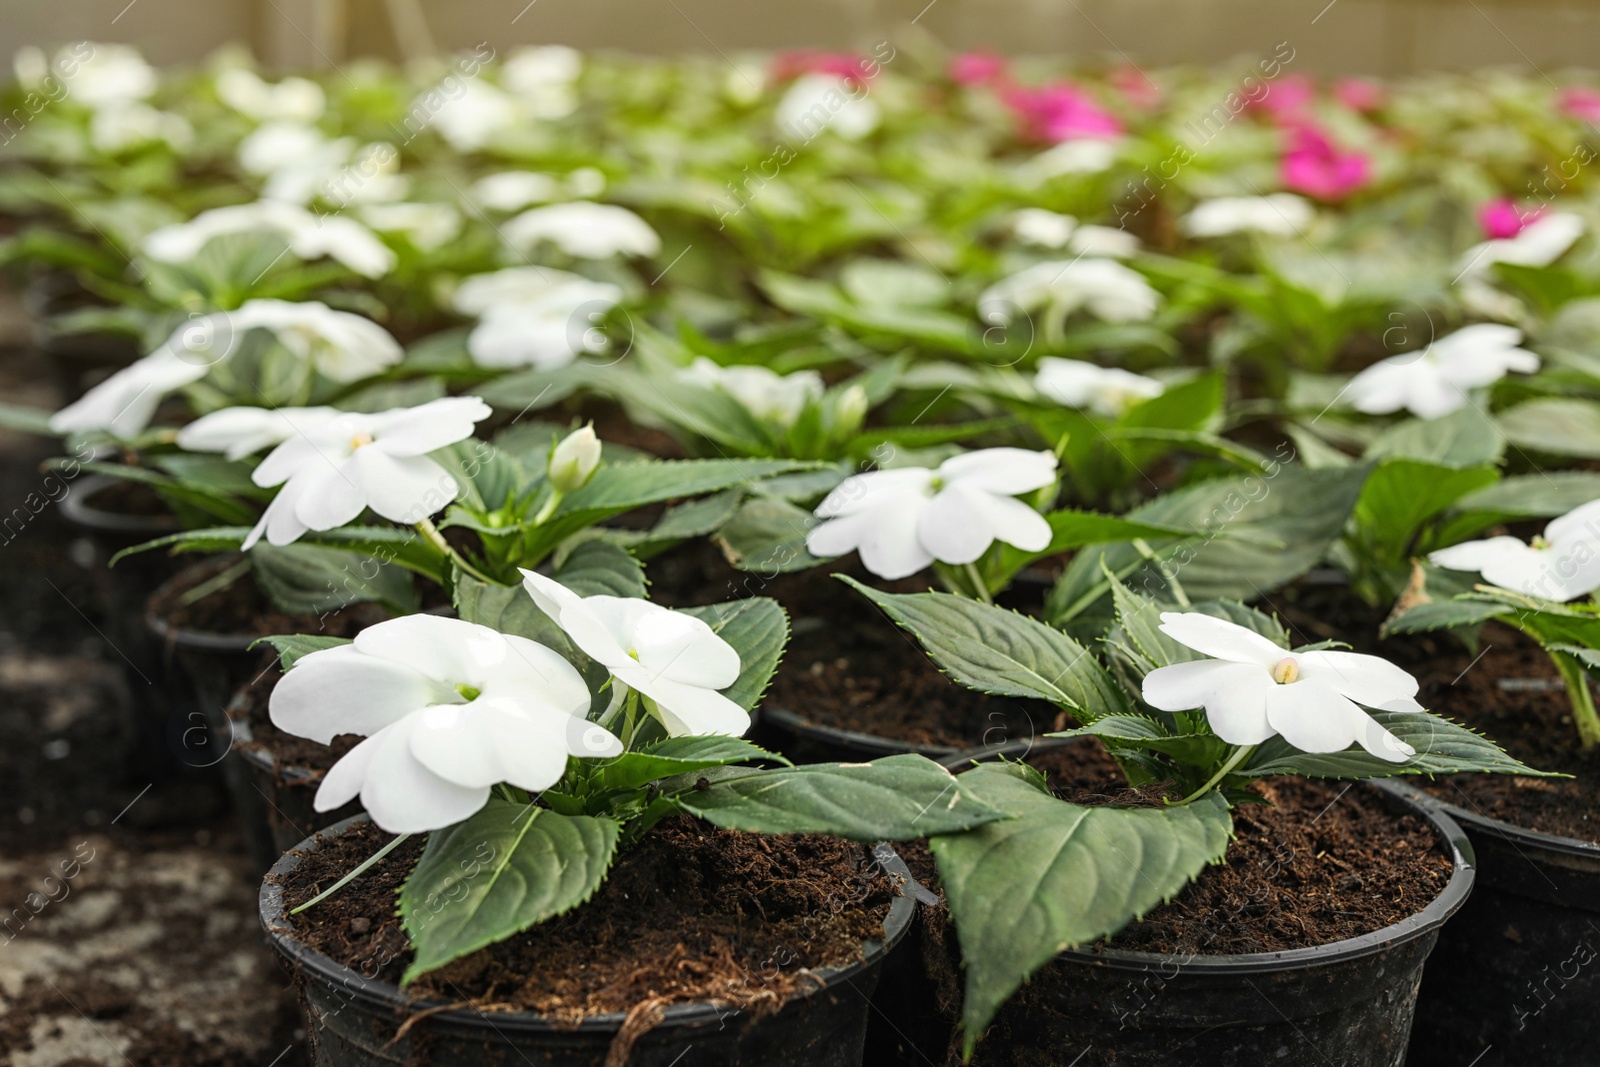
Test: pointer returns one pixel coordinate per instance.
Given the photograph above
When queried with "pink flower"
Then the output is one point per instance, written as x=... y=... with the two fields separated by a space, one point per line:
x=1580 y=103
x=1136 y=88
x=1359 y=94
x=1061 y=113
x=1315 y=166
x=795 y=62
x=1288 y=100
x=977 y=68
x=1503 y=218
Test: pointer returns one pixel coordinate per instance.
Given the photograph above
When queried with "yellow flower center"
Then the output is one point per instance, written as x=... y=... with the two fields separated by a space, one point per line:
x=359 y=439
x=1286 y=670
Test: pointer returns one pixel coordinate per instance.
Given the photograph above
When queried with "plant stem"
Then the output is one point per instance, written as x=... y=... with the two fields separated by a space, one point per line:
x=1583 y=710
x=220 y=582
x=980 y=588
x=549 y=507
x=352 y=876
x=1240 y=754
x=431 y=534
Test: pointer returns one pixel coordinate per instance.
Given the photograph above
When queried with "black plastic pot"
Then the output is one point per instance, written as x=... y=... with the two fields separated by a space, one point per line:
x=353 y=1020
x=781 y=730
x=273 y=798
x=1516 y=977
x=1350 y=1003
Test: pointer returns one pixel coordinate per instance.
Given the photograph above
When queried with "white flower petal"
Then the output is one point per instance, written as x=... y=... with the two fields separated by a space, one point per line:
x=1233 y=695
x=341 y=691
x=1313 y=716
x=690 y=709
x=1220 y=638
x=1002 y=470
x=682 y=648
x=493 y=740
x=954 y=526
x=403 y=796
x=325 y=496
x=403 y=489
x=1369 y=680
x=430 y=426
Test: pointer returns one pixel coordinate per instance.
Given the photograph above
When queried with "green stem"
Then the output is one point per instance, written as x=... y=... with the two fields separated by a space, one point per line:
x=431 y=534
x=220 y=582
x=352 y=876
x=1583 y=710
x=1144 y=550
x=980 y=588
x=1240 y=754
x=549 y=507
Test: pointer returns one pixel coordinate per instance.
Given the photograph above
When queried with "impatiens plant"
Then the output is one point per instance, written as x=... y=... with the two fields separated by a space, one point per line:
x=1534 y=588
x=1196 y=703
x=559 y=729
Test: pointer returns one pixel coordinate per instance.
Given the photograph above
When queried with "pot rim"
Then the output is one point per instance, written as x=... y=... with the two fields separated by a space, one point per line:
x=887 y=746
x=388 y=996
x=77 y=509
x=1574 y=847
x=1418 y=924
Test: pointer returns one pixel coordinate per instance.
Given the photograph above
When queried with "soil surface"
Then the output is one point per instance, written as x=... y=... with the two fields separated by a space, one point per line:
x=1506 y=689
x=690 y=913
x=848 y=666
x=128 y=935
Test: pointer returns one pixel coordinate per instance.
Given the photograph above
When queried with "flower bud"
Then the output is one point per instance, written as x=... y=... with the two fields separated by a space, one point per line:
x=574 y=459
x=851 y=409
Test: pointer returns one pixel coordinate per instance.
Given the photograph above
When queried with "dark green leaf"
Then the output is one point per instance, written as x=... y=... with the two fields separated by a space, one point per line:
x=1442 y=748
x=679 y=755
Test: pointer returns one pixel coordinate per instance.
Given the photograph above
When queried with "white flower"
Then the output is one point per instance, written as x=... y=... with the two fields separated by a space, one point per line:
x=428 y=226
x=449 y=709
x=244 y=431
x=1435 y=381
x=472 y=118
x=125 y=403
x=768 y=395
x=1281 y=214
x=543 y=77
x=334 y=470
x=1562 y=564
x=307 y=235
x=339 y=345
x=817 y=102
x=903 y=519
x=534 y=316
x=1108 y=241
x=1088 y=155
x=1540 y=244
x=1047 y=229
x=574 y=460
x=116 y=127
x=513 y=190
x=1252 y=690
x=584 y=229
x=275 y=145
x=1107 y=289
x=673 y=658
x=112 y=75
x=293 y=99
x=1105 y=390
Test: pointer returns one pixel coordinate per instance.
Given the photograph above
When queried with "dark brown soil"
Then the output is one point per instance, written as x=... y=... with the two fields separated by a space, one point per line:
x=241 y=608
x=848 y=665
x=1511 y=694
x=692 y=913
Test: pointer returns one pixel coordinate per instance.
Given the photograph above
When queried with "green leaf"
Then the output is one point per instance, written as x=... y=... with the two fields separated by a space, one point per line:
x=1442 y=615
x=510 y=610
x=215 y=505
x=1059 y=875
x=26 y=418
x=216 y=539
x=1442 y=748
x=308 y=579
x=896 y=798
x=1559 y=426
x=291 y=647
x=1279 y=525
x=1466 y=438
x=1522 y=496
x=679 y=755
x=1402 y=495
x=1138 y=732
x=596 y=568
x=769 y=536
x=1002 y=652
x=758 y=629
x=493 y=875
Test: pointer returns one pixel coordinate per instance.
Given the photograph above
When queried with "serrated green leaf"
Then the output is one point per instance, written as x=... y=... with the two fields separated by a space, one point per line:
x=307 y=579
x=1002 y=652
x=1442 y=748
x=1139 y=732
x=679 y=755
x=1560 y=426
x=497 y=873
x=1442 y=615
x=1059 y=875
x=599 y=568
x=758 y=629
x=768 y=536
x=1465 y=438
x=896 y=798
x=1402 y=495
